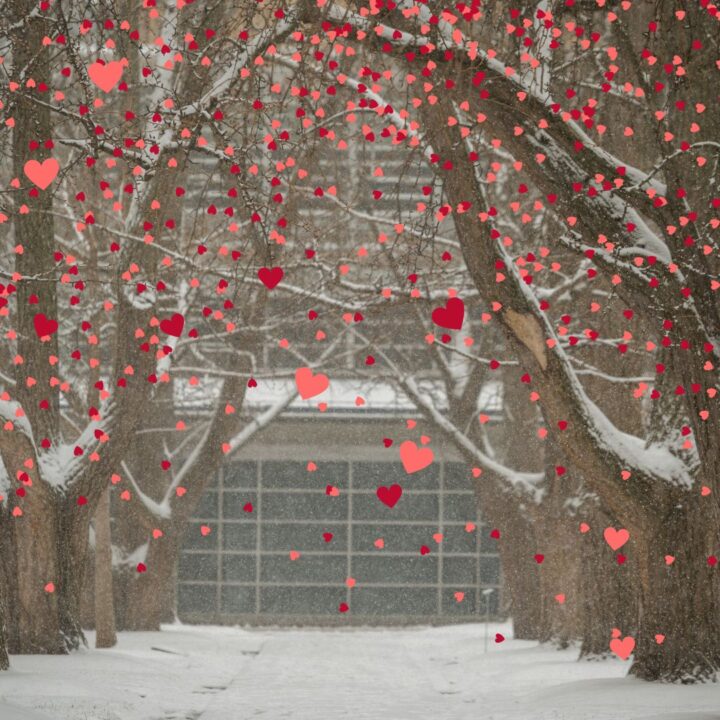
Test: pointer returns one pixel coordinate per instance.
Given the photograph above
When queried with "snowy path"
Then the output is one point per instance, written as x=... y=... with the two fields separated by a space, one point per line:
x=209 y=673
x=333 y=675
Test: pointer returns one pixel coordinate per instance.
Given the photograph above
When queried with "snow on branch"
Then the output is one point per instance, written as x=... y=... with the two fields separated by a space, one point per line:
x=528 y=483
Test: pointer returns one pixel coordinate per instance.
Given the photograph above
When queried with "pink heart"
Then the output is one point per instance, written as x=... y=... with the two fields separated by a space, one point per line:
x=616 y=538
x=415 y=458
x=106 y=76
x=310 y=385
x=42 y=173
x=623 y=648
x=459 y=596
x=389 y=496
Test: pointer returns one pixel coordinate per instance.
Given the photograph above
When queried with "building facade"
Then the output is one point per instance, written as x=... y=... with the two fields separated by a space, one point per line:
x=297 y=529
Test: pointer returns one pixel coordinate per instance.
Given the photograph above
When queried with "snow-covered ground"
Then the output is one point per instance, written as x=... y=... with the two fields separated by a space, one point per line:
x=210 y=673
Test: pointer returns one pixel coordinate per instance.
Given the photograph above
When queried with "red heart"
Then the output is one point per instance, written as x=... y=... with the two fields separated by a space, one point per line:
x=451 y=316
x=309 y=385
x=389 y=495
x=44 y=326
x=415 y=458
x=42 y=173
x=327 y=537
x=174 y=325
x=270 y=277
x=106 y=76
x=499 y=637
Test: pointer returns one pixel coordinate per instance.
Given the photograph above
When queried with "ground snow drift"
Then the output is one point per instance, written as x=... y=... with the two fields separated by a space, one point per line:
x=211 y=673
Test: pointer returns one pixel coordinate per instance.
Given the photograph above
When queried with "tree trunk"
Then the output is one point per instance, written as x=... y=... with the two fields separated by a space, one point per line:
x=515 y=547
x=152 y=593
x=105 y=636
x=608 y=591
x=4 y=660
x=679 y=633
x=37 y=576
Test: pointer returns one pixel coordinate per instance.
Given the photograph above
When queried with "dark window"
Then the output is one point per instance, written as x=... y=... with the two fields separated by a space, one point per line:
x=396 y=538
x=197 y=599
x=305 y=569
x=461 y=605
x=301 y=600
x=490 y=570
x=195 y=540
x=394 y=601
x=240 y=475
x=280 y=536
x=460 y=570
x=303 y=506
x=393 y=570
x=296 y=475
x=367 y=506
x=239 y=536
x=197 y=566
x=234 y=504
x=237 y=599
x=461 y=507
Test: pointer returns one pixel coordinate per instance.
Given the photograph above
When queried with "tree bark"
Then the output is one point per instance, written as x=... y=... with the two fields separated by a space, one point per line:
x=516 y=549
x=105 y=636
x=152 y=593
x=681 y=600
x=608 y=591
x=4 y=660
x=658 y=512
x=37 y=614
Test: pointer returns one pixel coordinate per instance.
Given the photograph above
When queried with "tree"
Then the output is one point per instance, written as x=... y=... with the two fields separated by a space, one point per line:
x=570 y=150
x=662 y=502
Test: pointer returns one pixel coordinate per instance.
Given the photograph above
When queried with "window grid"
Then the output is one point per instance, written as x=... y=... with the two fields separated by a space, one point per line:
x=225 y=580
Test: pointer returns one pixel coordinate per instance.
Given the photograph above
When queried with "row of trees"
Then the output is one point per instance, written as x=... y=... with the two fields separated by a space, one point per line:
x=179 y=198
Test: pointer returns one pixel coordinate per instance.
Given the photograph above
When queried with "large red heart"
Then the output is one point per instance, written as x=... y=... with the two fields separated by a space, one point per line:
x=44 y=326
x=42 y=173
x=415 y=458
x=616 y=538
x=106 y=76
x=622 y=648
x=389 y=495
x=270 y=277
x=173 y=326
x=309 y=385
x=451 y=316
